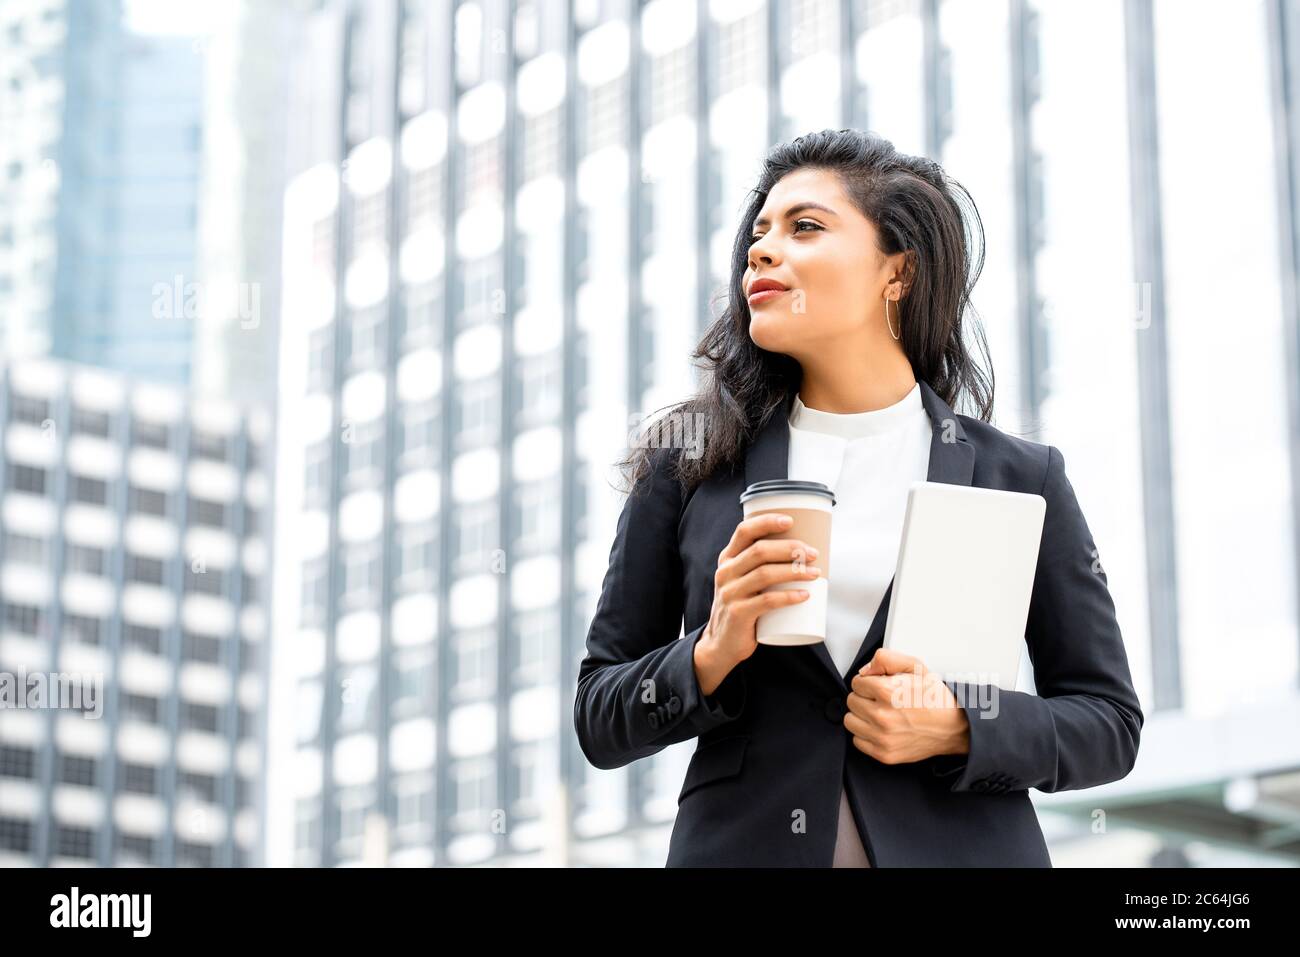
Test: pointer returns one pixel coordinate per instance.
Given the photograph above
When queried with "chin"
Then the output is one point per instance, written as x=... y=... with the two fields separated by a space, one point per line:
x=771 y=332
x=775 y=333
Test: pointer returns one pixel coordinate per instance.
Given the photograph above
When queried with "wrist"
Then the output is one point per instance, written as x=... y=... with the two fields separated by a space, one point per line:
x=960 y=740
x=710 y=668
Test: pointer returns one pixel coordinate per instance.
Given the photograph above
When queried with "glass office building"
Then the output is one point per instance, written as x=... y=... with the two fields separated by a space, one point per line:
x=509 y=226
x=100 y=139
x=133 y=566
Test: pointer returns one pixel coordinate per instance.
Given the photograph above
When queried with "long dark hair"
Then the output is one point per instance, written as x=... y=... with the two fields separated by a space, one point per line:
x=914 y=206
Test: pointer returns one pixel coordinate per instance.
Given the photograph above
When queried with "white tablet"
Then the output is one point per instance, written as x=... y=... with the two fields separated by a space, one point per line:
x=965 y=574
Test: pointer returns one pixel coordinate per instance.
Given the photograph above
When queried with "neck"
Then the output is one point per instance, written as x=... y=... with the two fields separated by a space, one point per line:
x=856 y=386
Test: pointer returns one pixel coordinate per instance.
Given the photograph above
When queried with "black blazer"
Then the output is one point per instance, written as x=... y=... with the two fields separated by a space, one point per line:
x=763 y=786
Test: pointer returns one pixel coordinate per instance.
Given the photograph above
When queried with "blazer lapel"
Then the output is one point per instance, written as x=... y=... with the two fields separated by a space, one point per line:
x=952 y=462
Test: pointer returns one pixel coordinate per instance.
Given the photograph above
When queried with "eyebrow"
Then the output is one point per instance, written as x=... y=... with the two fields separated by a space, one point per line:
x=797 y=208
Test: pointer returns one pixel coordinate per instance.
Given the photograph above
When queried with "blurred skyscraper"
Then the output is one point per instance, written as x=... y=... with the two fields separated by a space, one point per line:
x=509 y=225
x=134 y=556
x=102 y=133
x=247 y=56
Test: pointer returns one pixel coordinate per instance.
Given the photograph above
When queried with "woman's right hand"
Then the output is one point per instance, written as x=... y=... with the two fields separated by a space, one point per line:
x=749 y=564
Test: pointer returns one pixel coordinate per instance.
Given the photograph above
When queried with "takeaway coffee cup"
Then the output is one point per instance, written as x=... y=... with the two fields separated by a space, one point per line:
x=809 y=504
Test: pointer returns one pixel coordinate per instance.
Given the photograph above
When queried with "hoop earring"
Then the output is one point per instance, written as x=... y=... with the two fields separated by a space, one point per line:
x=887 y=322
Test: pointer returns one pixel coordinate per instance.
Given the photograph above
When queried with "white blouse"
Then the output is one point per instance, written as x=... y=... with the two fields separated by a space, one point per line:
x=869 y=460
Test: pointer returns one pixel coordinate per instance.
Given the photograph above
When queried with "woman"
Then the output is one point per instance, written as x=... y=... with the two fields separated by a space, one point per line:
x=840 y=358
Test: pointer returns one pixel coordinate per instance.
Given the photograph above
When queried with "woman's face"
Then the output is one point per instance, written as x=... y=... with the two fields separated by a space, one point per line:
x=826 y=256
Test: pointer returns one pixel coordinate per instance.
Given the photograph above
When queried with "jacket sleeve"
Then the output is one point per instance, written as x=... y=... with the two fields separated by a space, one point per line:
x=1082 y=727
x=637 y=688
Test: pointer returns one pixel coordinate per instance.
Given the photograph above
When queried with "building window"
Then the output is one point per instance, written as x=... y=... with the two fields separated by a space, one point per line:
x=26 y=549
x=189 y=854
x=29 y=409
x=154 y=435
x=90 y=422
x=15 y=835
x=421 y=313
x=366 y=332
x=472 y=790
x=142 y=638
x=414 y=798
x=353 y=806
x=148 y=501
x=417 y=548
x=77 y=770
x=540 y=144
x=537 y=514
x=140 y=778
x=672 y=81
x=91 y=491
x=423 y=195
x=197 y=647
x=76 y=842
x=481 y=290
x=24 y=619
x=140 y=568
x=537 y=637
x=413 y=682
x=85 y=559
x=140 y=707
x=477 y=403
x=357 y=703
x=364 y=445
x=306 y=828
x=419 y=435
x=198 y=787
x=135 y=847
x=199 y=717
x=523 y=780
x=83 y=629
x=209 y=445
x=27 y=478
x=369 y=222
x=476 y=536
x=17 y=762
x=473 y=666
x=604 y=118
x=209 y=581
x=361 y=571
x=540 y=390
x=201 y=511
x=248 y=589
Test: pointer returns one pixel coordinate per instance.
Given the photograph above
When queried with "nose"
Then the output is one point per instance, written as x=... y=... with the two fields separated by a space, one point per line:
x=758 y=253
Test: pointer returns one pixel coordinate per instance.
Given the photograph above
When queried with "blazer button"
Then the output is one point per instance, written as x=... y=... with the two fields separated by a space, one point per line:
x=836 y=709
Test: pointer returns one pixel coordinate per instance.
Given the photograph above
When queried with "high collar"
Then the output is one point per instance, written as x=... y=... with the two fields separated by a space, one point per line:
x=858 y=425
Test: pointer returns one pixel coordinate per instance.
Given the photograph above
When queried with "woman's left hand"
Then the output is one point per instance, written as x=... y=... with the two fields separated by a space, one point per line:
x=900 y=712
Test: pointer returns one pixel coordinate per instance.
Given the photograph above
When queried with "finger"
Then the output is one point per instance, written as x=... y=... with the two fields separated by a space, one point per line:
x=863 y=707
x=751 y=530
x=867 y=747
x=873 y=687
x=892 y=661
x=750 y=608
x=782 y=552
x=769 y=574
x=861 y=728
